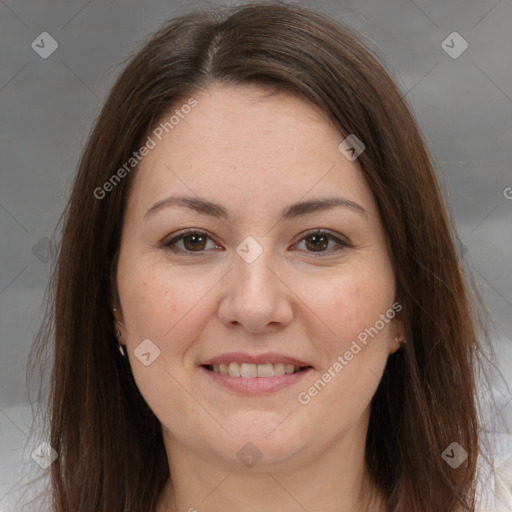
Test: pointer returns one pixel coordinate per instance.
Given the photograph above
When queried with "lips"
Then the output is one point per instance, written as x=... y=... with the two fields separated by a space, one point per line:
x=259 y=359
x=255 y=385
x=253 y=374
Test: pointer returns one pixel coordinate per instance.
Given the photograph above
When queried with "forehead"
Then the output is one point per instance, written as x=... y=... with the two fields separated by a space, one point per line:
x=248 y=149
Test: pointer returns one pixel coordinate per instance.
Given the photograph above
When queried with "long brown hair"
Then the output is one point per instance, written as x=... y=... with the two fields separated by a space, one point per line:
x=111 y=452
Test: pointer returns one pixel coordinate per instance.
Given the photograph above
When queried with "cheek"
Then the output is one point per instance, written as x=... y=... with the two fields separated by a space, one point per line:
x=355 y=347
x=157 y=299
x=352 y=301
x=163 y=305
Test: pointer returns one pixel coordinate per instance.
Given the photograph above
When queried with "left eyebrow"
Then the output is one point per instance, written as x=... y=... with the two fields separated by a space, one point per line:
x=205 y=207
x=316 y=205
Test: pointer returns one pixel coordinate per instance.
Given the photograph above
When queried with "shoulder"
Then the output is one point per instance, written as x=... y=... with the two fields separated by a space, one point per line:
x=494 y=485
x=503 y=477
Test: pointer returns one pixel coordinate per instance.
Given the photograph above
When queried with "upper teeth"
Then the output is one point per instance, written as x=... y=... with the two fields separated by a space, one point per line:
x=249 y=370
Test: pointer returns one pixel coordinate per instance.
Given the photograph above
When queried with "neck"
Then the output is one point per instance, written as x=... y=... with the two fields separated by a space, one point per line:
x=334 y=480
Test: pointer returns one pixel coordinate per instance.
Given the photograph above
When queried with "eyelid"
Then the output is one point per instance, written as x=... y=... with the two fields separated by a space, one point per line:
x=176 y=237
x=323 y=231
x=341 y=241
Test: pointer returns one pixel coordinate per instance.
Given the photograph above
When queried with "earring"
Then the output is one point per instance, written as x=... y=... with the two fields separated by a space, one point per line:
x=401 y=341
x=115 y=319
x=118 y=334
x=119 y=346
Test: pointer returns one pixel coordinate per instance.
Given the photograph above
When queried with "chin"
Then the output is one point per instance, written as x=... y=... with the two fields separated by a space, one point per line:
x=268 y=441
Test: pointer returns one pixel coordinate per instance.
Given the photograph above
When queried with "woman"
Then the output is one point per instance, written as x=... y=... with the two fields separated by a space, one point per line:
x=258 y=303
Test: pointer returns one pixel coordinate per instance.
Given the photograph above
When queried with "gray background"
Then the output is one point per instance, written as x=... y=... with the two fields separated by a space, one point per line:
x=464 y=107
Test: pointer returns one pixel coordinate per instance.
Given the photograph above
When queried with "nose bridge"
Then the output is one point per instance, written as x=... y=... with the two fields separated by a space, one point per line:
x=254 y=294
x=252 y=274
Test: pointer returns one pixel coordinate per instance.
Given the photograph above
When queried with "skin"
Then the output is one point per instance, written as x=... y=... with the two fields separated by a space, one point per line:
x=256 y=153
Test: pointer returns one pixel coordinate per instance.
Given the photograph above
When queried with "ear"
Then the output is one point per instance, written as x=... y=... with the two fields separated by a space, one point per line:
x=118 y=322
x=396 y=333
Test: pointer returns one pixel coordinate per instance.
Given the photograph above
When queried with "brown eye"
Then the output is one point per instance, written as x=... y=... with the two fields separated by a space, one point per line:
x=318 y=241
x=189 y=242
x=194 y=242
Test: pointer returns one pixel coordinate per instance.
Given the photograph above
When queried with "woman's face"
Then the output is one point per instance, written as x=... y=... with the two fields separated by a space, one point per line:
x=253 y=286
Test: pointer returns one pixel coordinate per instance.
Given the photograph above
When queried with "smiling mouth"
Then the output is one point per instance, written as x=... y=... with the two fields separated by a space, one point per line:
x=250 y=370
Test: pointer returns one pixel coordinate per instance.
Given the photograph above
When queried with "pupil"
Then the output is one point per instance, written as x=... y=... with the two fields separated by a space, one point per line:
x=320 y=241
x=195 y=239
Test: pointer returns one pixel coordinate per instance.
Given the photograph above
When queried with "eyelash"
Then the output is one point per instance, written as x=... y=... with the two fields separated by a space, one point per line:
x=170 y=244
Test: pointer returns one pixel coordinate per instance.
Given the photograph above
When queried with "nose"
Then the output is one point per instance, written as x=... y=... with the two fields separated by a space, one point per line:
x=256 y=296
